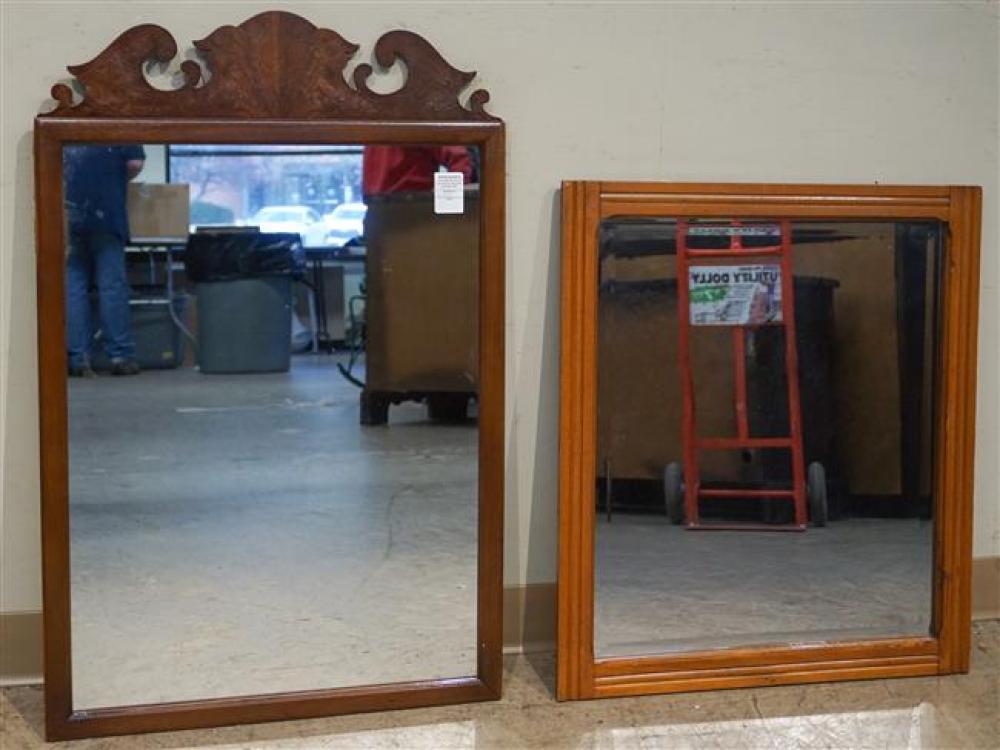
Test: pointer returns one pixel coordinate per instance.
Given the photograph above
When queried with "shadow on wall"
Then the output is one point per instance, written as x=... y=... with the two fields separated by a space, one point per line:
x=21 y=562
x=533 y=615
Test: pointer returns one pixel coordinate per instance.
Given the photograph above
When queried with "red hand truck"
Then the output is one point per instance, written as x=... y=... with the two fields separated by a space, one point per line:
x=743 y=298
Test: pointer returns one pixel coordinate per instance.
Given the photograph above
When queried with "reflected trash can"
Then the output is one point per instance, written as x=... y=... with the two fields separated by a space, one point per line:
x=768 y=394
x=158 y=343
x=243 y=287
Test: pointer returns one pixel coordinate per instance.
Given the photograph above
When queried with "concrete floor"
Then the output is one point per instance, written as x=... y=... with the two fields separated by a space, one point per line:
x=242 y=534
x=662 y=588
x=961 y=711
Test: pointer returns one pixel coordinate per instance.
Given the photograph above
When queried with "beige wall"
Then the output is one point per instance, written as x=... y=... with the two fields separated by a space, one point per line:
x=737 y=91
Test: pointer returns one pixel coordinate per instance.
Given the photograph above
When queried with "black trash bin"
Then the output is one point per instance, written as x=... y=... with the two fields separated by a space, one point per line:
x=767 y=392
x=243 y=287
x=158 y=343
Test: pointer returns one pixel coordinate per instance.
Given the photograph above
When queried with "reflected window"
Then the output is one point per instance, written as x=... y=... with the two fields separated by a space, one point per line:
x=286 y=188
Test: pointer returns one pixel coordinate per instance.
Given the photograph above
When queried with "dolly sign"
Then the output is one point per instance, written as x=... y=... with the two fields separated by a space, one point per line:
x=734 y=295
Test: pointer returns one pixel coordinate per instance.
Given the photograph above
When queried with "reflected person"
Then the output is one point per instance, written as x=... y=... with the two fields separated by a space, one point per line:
x=397 y=169
x=96 y=181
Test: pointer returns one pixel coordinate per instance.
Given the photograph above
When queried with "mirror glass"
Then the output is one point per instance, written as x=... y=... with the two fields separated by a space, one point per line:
x=765 y=430
x=272 y=398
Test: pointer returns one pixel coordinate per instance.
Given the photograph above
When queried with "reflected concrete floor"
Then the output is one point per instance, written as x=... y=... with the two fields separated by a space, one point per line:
x=915 y=713
x=663 y=588
x=242 y=534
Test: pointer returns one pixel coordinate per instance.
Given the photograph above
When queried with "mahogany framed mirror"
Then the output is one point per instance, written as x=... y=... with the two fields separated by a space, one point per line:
x=766 y=436
x=271 y=381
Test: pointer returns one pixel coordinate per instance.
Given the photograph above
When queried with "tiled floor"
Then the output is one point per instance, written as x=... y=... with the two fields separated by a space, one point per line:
x=949 y=712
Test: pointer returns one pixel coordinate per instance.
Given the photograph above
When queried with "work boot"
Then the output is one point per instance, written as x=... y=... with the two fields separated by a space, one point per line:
x=81 y=371
x=124 y=367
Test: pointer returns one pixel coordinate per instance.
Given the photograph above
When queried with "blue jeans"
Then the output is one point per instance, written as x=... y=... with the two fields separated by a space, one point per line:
x=98 y=259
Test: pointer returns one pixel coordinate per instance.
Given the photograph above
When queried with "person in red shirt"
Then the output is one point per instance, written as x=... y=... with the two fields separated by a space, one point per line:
x=396 y=169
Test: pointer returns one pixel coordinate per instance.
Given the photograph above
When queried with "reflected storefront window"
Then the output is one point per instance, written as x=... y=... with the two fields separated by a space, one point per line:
x=311 y=190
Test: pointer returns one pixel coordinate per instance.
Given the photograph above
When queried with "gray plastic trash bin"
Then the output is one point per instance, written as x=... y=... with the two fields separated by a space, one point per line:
x=243 y=284
x=244 y=325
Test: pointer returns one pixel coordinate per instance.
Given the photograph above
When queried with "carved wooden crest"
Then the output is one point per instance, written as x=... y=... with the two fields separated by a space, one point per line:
x=276 y=65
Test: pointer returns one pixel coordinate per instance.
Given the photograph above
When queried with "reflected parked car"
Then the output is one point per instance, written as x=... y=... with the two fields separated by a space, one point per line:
x=301 y=220
x=344 y=223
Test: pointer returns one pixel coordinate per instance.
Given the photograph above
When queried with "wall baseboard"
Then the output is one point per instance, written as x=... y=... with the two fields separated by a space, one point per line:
x=529 y=617
x=20 y=648
x=529 y=622
x=986 y=588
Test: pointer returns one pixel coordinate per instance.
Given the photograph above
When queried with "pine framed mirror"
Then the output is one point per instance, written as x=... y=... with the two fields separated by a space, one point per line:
x=252 y=523
x=767 y=419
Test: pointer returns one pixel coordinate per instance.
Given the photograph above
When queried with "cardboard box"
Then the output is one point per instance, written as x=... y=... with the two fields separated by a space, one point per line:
x=639 y=389
x=158 y=211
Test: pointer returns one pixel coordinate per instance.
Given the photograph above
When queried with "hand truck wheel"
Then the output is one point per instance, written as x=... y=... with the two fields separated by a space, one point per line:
x=673 y=491
x=816 y=493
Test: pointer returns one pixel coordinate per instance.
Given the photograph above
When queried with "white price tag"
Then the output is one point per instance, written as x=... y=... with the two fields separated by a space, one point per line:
x=449 y=193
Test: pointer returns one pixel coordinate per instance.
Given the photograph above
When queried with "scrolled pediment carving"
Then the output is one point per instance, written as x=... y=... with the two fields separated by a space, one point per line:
x=276 y=65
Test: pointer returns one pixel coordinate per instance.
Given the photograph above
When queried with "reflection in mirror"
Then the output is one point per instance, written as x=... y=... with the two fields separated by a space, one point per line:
x=759 y=377
x=273 y=443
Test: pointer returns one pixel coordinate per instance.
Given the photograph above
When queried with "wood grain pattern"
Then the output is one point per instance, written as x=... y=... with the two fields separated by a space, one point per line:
x=574 y=647
x=765 y=656
x=788 y=674
x=492 y=359
x=274 y=65
x=275 y=79
x=784 y=191
x=578 y=445
x=957 y=419
x=165 y=717
x=53 y=432
x=585 y=204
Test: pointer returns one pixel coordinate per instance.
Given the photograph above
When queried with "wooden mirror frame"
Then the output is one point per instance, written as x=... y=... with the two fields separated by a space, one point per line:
x=584 y=206
x=276 y=78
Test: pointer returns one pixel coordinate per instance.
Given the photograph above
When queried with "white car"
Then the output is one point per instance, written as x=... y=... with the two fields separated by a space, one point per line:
x=300 y=220
x=344 y=223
